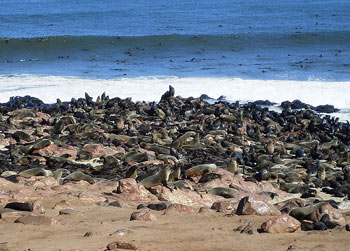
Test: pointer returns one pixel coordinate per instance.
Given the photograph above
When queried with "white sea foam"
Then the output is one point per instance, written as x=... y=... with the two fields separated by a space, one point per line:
x=49 y=88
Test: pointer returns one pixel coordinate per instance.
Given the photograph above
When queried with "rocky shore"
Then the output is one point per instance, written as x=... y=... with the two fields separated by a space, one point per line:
x=170 y=170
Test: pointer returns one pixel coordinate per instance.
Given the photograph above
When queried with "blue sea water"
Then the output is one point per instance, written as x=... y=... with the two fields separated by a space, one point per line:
x=228 y=44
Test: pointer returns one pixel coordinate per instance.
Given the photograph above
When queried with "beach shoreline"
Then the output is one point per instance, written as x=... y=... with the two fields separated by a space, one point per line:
x=98 y=161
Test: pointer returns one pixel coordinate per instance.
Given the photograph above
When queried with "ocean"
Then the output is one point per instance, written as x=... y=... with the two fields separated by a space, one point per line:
x=245 y=50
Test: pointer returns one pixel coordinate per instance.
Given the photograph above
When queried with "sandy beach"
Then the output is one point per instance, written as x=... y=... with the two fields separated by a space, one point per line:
x=184 y=231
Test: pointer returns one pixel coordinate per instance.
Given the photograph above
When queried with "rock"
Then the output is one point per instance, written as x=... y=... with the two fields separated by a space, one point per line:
x=204 y=96
x=281 y=224
x=144 y=216
x=38 y=207
x=118 y=203
x=11 y=215
x=121 y=245
x=122 y=232
x=107 y=185
x=20 y=206
x=183 y=196
x=246 y=228
x=178 y=208
x=95 y=150
x=36 y=220
x=4 y=182
x=204 y=210
x=157 y=206
x=26 y=101
x=62 y=205
x=5 y=142
x=102 y=204
x=88 y=234
x=128 y=185
x=225 y=206
x=344 y=205
x=326 y=109
x=129 y=190
x=5 y=246
x=297 y=248
x=54 y=150
x=22 y=194
x=68 y=211
x=263 y=103
x=249 y=206
x=47 y=181
x=296 y=104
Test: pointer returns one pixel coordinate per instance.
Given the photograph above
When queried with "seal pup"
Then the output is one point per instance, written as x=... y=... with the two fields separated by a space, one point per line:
x=321 y=171
x=195 y=144
x=199 y=170
x=132 y=172
x=346 y=171
x=270 y=147
x=38 y=171
x=180 y=184
x=167 y=157
x=77 y=176
x=168 y=94
x=159 y=178
x=276 y=158
x=222 y=191
x=41 y=144
x=182 y=139
x=328 y=145
x=109 y=160
x=137 y=157
x=57 y=175
x=176 y=174
x=232 y=165
x=345 y=159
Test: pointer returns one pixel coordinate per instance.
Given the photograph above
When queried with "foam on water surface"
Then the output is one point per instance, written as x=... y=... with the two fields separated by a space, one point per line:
x=49 y=88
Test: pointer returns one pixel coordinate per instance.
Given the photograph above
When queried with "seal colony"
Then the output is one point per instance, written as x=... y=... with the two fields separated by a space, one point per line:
x=225 y=155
